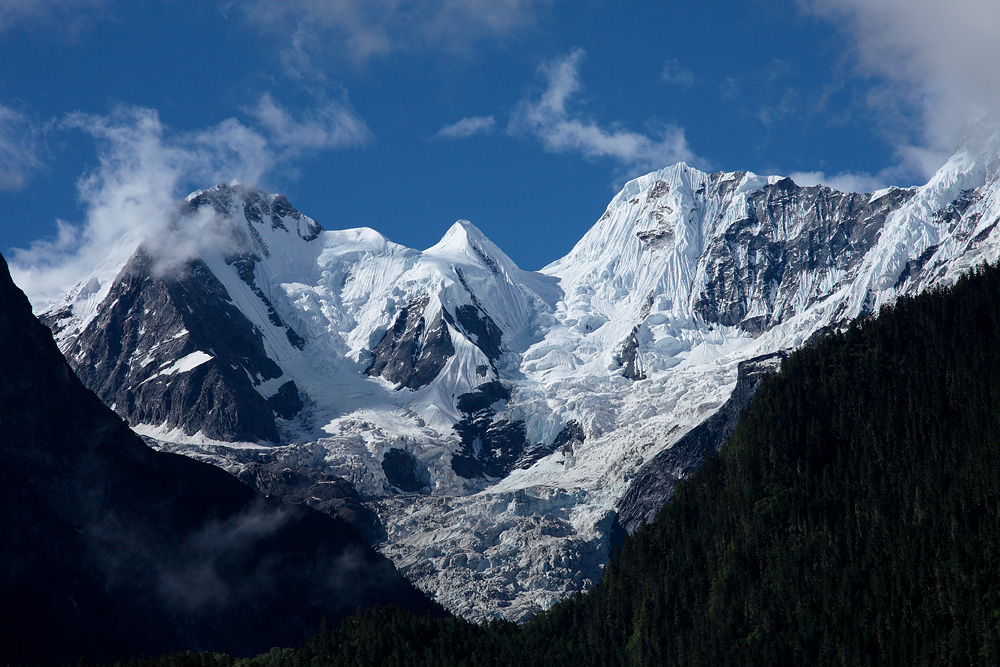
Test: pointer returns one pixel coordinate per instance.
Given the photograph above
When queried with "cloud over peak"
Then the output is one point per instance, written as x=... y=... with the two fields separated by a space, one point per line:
x=552 y=120
x=144 y=168
x=938 y=59
x=329 y=125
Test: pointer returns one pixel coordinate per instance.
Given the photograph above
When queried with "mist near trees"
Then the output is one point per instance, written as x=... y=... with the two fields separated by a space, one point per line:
x=850 y=520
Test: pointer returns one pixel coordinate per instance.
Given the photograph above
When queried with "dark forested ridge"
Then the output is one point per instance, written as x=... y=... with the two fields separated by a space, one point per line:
x=109 y=549
x=852 y=519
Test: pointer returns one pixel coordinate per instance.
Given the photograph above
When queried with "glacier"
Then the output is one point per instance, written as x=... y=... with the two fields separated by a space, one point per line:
x=491 y=418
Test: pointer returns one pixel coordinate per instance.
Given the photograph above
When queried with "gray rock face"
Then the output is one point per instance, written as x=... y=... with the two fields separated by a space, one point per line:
x=630 y=360
x=286 y=402
x=405 y=472
x=412 y=352
x=320 y=490
x=111 y=550
x=256 y=209
x=662 y=234
x=653 y=487
x=566 y=441
x=758 y=264
x=245 y=267
x=191 y=365
x=481 y=329
x=490 y=446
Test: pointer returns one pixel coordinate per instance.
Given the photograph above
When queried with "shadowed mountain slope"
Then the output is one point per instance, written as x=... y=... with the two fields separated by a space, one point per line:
x=851 y=519
x=109 y=549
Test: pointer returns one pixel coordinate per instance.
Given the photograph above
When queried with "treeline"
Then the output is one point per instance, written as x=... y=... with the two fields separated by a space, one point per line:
x=852 y=519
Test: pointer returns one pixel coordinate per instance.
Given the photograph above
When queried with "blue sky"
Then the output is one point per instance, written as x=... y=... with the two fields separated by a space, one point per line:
x=523 y=116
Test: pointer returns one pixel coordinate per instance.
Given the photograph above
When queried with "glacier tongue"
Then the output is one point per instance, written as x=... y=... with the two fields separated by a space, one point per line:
x=493 y=417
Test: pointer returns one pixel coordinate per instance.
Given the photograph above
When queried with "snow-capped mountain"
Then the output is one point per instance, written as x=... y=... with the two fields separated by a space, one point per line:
x=494 y=418
x=112 y=550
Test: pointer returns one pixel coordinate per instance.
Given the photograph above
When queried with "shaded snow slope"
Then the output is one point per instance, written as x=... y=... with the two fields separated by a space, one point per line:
x=493 y=417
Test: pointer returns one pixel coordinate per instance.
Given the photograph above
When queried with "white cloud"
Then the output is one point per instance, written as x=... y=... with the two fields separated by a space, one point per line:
x=785 y=106
x=730 y=88
x=328 y=126
x=940 y=59
x=144 y=169
x=63 y=12
x=467 y=127
x=846 y=181
x=551 y=120
x=20 y=148
x=362 y=29
x=676 y=74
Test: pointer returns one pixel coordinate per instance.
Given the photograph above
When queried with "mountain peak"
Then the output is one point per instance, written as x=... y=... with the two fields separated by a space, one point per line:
x=464 y=241
x=979 y=150
x=109 y=544
x=268 y=212
x=417 y=362
x=459 y=235
x=234 y=219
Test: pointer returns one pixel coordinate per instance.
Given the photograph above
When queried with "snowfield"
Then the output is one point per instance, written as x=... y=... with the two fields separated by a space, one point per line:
x=596 y=363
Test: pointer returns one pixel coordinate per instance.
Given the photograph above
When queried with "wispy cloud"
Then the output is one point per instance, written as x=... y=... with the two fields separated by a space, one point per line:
x=144 y=168
x=67 y=14
x=730 y=88
x=847 y=181
x=329 y=125
x=939 y=59
x=785 y=106
x=199 y=576
x=467 y=127
x=20 y=148
x=362 y=29
x=561 y=129
x=676 y=74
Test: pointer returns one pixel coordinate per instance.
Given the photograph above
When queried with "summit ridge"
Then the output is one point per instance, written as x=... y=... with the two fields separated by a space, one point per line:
x=493 y=418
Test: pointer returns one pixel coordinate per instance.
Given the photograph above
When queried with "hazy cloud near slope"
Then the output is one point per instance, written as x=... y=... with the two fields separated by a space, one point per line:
x=847 y=181
x=939 y=58
x=552 y=120
x=197 y=579
x=144 y=169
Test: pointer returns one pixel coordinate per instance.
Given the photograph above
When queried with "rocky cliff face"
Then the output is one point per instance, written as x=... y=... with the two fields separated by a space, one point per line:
x=653 y=487
x=193 y=360
x=111 y=550
x=757 y=272
x=451 y=382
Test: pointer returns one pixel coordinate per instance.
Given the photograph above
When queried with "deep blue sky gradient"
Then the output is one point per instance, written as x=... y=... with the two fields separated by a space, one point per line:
x=771 y=90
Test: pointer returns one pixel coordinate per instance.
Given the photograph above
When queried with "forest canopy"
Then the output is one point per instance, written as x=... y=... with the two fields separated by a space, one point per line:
x=852 y=519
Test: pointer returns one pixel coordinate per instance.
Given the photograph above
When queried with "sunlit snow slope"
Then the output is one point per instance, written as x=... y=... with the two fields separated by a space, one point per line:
x=492 y=417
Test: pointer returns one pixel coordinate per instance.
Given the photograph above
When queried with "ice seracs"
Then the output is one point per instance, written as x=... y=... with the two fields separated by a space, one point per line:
x=494 y=417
